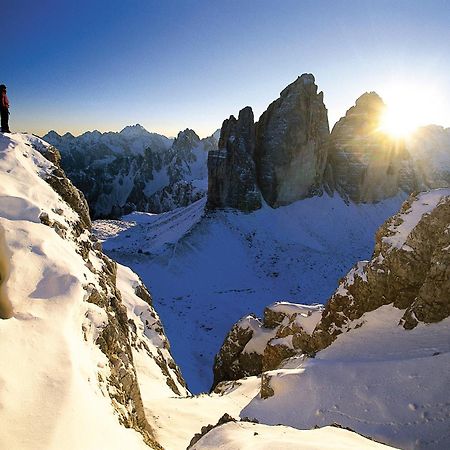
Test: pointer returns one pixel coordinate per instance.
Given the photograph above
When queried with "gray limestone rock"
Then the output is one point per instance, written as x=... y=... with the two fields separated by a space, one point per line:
x=290 y=150
x=231 y=169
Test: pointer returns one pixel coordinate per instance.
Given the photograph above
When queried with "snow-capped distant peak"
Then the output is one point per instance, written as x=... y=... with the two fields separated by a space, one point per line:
x=137 y=129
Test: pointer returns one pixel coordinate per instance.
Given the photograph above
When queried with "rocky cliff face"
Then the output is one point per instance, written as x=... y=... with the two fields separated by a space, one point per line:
x=364 y=164
x=282 y=157
x=292 y=155
x=231 y=169
x=290 y=145
x=135 y=169
x=99 y=315
x=409 y=269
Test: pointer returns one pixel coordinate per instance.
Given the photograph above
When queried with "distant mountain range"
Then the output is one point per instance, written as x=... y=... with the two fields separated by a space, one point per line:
x=135 y=169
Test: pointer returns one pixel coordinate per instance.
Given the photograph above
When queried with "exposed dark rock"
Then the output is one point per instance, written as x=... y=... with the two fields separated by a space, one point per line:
x=64 y=187
x=279 y=337
x=231 y=169
x=231 y=363
x=207 y=428
x=290 y=151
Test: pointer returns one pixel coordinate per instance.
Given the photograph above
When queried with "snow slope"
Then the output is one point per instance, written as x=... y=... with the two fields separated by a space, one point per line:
x=55 y=381
x=252 y=436
x=378 y=379
x=207 y=270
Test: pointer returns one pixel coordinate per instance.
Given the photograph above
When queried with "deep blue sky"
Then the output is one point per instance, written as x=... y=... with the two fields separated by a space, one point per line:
x=83 y=65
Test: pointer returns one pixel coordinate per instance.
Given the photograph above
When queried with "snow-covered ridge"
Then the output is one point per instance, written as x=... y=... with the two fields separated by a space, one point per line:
x=378 y=379
x=69 y=353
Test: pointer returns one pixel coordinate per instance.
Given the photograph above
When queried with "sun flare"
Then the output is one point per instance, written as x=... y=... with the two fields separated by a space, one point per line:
x=408 y=108
x=398 y=122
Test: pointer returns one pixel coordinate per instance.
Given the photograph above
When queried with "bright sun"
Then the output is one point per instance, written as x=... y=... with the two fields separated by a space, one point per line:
x=409 y=107
x=398 y=122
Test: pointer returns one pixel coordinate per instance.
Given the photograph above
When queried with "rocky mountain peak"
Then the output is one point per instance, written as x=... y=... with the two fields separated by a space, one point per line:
x=290 y=153
x=364 y=164
x=186 y=139
x=305 y=81
x=369 y=99
x=134 y=130
x=364 y=116
x=231 y=169
x=282 y=157
x=52 y=134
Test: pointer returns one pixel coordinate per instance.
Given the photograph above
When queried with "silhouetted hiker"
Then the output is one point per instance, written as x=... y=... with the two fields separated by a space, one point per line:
x=4 y=107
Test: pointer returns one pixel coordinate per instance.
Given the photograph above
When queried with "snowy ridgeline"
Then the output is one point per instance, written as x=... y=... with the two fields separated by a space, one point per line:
x=378 y=379
x=85 y=362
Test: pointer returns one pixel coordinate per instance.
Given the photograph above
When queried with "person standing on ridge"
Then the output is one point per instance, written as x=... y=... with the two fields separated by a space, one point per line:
x=4 y=107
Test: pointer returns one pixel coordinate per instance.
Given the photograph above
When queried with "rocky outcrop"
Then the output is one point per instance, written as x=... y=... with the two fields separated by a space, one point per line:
x=364 y=163
x=207 y=428
x=289 y=154
x=231 y=169
x=410 y=269
x=253 y=346
x=290 y=151
x=135 y=170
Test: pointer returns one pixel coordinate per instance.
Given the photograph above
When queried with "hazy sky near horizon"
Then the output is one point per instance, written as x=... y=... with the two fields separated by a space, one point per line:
x=168 y=65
